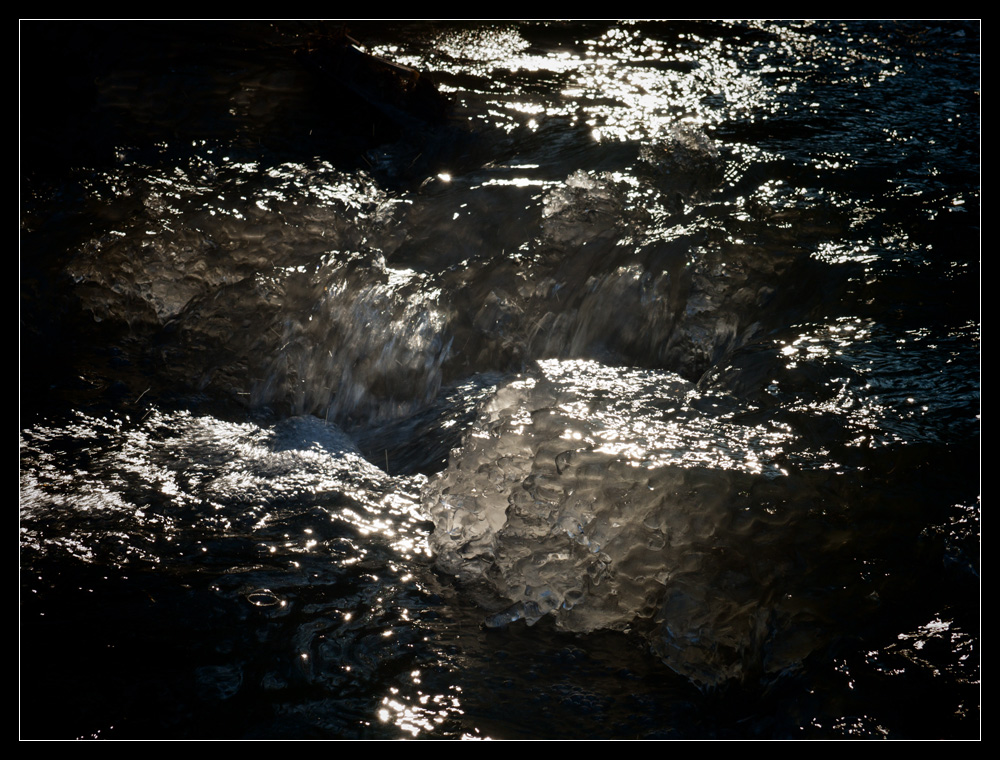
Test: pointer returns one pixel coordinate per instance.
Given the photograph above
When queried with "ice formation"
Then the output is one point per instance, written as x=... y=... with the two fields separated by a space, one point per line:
x=600 y=496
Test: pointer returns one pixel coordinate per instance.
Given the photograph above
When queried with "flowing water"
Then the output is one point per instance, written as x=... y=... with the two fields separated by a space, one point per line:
x=632 y=393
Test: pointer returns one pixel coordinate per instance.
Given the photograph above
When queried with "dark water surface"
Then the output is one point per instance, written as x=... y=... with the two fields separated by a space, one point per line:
x=623 y=383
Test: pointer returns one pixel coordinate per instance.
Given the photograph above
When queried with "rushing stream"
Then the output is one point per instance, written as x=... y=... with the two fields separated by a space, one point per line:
x=556 y=380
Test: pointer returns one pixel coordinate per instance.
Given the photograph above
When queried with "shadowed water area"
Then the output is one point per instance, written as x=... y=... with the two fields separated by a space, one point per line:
x=500 y=380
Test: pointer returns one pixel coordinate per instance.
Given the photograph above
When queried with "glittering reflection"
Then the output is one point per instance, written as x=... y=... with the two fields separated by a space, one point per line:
x=417 y=712
x=866 y=382
x=485 y=44
x=177 y=477
x=627 y=84
x=635 y=102
x=839 y=252
x=941 y=634
x=645 y=418
x=486 y=52
x=179 y=233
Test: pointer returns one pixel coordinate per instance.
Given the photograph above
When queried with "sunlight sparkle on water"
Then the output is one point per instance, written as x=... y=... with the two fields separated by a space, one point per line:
x=420 y=712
